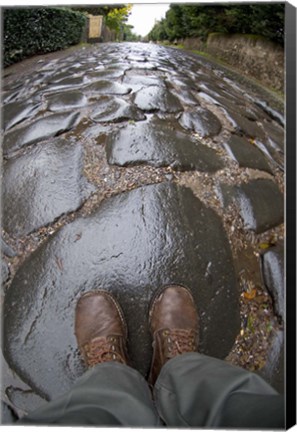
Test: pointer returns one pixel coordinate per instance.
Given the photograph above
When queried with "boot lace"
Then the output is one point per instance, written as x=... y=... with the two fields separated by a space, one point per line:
x=101 y=350
x=179 y=341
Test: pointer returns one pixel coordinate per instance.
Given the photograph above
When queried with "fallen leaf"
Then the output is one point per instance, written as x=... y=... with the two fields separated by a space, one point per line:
x=249 y=295
x=264 y=245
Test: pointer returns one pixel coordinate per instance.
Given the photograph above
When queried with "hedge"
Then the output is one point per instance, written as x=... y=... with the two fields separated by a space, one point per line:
x=30 y=31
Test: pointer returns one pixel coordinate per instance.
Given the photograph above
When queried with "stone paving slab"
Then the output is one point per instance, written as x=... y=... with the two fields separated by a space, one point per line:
x=18 y=94
x=135 y=241
x=261 y=204
x=273 y=273
x=133 y=244
x=157 y=142
x=4 y=271
x=39 y=130
x=276 y=135
x=67 y=83
x=17 y=112
x=41 y=185
x=7 y=250
x=186 y=97
x=259 y=201
x=244 y=125
x=111 y=109
x=107 y=73
x=201 y=121
x=107 y=87
x=225 y=194
x=247 y=154
x=274 y=369
x=66 y=100
x=277 y=116
x=136 y=81
x=275 y=156
x=157 y=98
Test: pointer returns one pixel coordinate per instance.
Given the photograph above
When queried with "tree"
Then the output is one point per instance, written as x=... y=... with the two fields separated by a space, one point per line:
x=97 y=10
x=128 y=34
x=116 y=18
x=198 y=20
x=173 y=24
x=268 y=20
x=158 y=32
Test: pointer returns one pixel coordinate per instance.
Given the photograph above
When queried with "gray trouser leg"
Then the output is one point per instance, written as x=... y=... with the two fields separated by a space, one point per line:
x=110 y=394
x=194 y=390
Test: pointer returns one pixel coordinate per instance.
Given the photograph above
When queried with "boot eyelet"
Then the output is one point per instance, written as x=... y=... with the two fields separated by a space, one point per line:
x=165 y=333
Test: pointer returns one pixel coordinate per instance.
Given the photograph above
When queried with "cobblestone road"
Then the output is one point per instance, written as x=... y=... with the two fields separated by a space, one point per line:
x=126 y=167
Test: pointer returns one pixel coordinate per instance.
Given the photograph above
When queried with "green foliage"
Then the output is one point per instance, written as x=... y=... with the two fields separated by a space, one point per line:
x=158 y=32
x=129 y=35
x=116 y=18
x=199 y=20
x=97 y=10
x=29 y=31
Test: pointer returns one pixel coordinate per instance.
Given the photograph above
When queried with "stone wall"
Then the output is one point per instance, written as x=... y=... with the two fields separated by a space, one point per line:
x=255 y=56
x=104 y=33
x=193 y=44
x=107 y=34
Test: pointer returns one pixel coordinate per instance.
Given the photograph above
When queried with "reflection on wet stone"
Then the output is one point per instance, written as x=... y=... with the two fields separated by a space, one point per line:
x=157 y=98
x=66 y=100
x=244 y=125
x=7 y=250
x=131 y=245
x=271 y=112
x=4 y=271
x=111 y=73
x=141 y=104
x=107 y=87
x=273 y=274
x=261 y=204
x=109 y=109
x=247 y=154
x=16 y=112
x=225 y=194
x=39 y=130
x=276 y=135
x=274 y=369
x=160 y=143
x=67 y=83
x=274 y=155
x=202 y=121
x=41 y=185
x=138 y=81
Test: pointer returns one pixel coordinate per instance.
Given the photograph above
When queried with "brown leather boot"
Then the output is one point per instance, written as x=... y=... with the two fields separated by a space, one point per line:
x=100 y=329
x=174 y=326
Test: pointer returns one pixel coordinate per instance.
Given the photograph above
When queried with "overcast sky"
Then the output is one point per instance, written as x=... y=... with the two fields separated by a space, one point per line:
x=143 y=16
